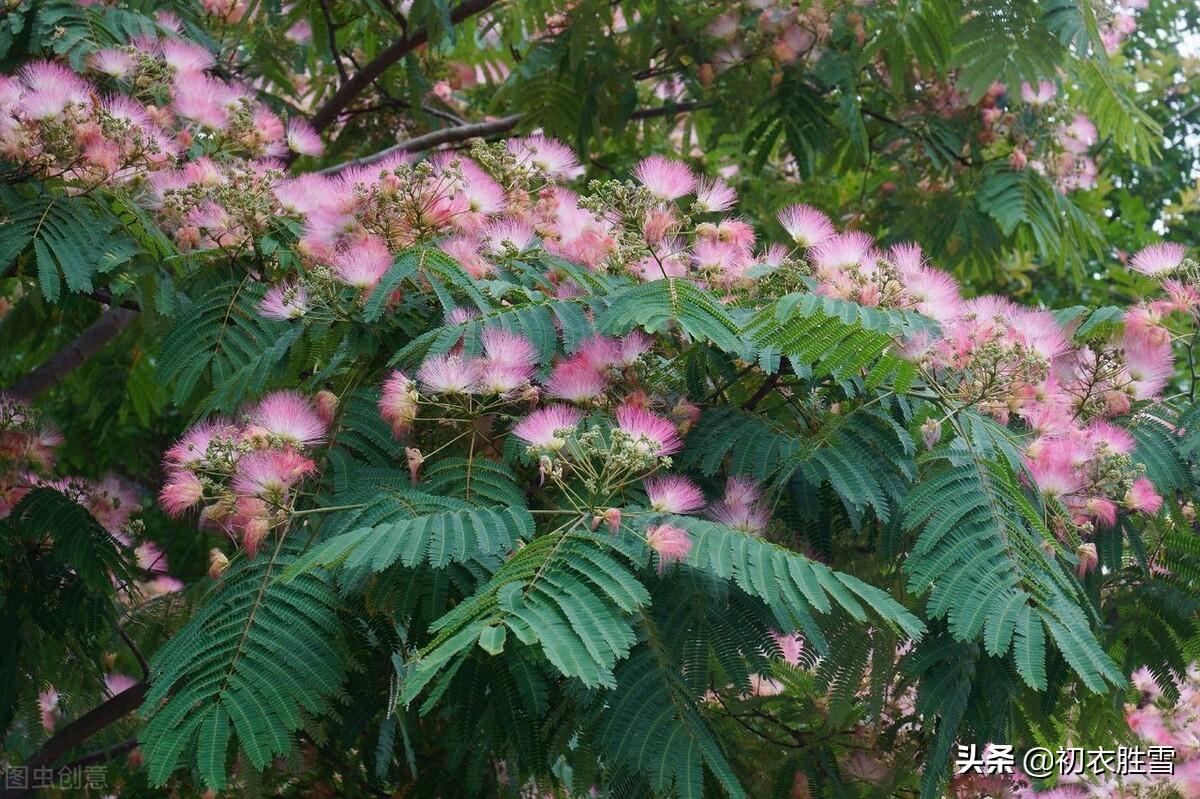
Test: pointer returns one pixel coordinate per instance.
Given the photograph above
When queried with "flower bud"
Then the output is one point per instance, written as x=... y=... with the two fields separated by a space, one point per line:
x=217 y=563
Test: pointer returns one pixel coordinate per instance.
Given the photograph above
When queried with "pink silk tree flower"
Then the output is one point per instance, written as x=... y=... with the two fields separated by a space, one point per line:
x=398 y=402
x=544 y=428
x=644 y=426
x=449 y=374
x=576 y=380
x=672 y=493
x=289 y=416
x=1158 y=259
x=666 y=178
x=363 y=263
x=670 y=542
x=806 y=225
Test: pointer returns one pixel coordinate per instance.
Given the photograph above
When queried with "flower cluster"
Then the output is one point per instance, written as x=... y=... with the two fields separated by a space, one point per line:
x=246 y=472
x=27 y=461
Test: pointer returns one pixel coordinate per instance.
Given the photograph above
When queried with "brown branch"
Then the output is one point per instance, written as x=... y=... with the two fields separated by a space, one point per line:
x=62 y=363
x=328 y=113
x=80 y=730
x=460 y=133
x=438 y=137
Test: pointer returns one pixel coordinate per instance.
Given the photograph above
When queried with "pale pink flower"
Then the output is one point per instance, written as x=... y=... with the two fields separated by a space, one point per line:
x=545 y=428
x=670 y=542
x=1143 y=498
x=116 y=683
x=398 y=402
x=648 y=429
x=843 y=251
x=51 y=89
x=181 y=491
x=576 y=380
x=1079 y=135
x=299 y=33
x=549 y=157
x=303 y=139
x=666 y=178
x=50 y=711
x=150 y=558
x=791 y=645
x=741 y=508
x=270 y=473
x=1149 y=366
x=509 y=349
x=289 y=417
x=1110 y=439
x=363 y=263
x=112 y=61
x=1144 y=681
x=185 y=56
x=673 y=493
x=1088 y=557
x=632 y=346
x=1158 y=259
x=599 y=352
x=193 y=445
x=449 y=374
x=715 y=195
x=1044 y=93
x=806 y=225
x=284 y=302
x=508 y=232
x=205 y=100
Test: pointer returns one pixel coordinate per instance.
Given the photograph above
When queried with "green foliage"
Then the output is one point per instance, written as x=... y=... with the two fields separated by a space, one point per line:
x=224 y=340
x=979 y=555
x=70 y=240
x=258 y=658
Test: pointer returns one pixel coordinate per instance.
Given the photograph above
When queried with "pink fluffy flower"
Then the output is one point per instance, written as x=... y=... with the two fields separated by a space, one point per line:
x=741 y=508
x=449 y=374
x=116 y=683
x=185 y=56
x=1044 y=93
x=1079 y=135
x=205 y=100
x=714 y=195
x=666 y=178
x=398 y=402
x=791 y=645
x=284 y=302
x=1158 y=258
x=672 y=493
x=503 y=348
x=550 y=157
x=544 y=428
x=303 y=139
x=181 y=491
x=363 y=263
x=194 y=444
x=113 y=62
x=289 y=417
x=270 y=473
x=670 y=542
x=1149 y=366
x=648 y=428
x=508 y=232
x=50 y=89
x=576 y=380
x=806 y=225
x=1143 y=498
x=843 y=251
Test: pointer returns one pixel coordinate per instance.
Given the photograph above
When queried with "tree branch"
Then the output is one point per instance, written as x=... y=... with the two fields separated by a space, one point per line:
x=78 y=731
x=460 y=133
x=449 y=135
x=328 y=113
x=62 y=363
